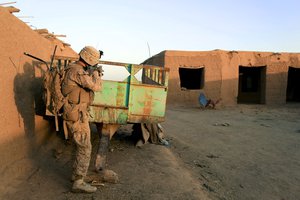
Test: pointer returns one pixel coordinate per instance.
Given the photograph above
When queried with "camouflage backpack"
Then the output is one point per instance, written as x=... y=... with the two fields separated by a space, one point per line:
x=54 y=99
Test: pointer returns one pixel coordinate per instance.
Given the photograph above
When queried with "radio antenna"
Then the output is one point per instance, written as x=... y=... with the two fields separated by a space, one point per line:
x=149 y=49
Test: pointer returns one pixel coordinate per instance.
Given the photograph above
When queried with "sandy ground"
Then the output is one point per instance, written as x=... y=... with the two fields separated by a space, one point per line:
x=248 y=152
x=245 y=152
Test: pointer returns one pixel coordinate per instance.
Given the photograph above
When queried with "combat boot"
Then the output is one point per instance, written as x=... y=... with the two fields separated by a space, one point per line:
x=81 y=186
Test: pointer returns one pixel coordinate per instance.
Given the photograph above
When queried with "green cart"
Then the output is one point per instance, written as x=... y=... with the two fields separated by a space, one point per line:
x=128 y=101
x=132 y=101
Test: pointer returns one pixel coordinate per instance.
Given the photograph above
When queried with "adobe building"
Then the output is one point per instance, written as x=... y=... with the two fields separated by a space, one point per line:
x=23 y=127
x=234 y=76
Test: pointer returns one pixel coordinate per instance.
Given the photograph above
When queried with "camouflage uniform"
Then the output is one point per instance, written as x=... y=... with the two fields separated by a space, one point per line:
x=78 y=87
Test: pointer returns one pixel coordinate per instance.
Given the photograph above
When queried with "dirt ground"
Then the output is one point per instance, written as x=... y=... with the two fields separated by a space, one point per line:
x=245 y=152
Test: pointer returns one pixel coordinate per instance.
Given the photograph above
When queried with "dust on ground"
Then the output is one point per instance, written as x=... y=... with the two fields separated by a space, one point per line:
x=244 y=152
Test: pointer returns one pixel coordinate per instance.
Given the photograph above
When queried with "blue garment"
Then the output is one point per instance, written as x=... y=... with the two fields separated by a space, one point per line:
x=202 y=100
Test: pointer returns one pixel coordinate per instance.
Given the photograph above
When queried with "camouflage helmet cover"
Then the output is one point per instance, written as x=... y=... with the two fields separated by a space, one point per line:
x=90 y=55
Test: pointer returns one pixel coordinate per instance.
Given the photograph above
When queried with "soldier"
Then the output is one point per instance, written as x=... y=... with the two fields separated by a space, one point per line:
x=78 y=88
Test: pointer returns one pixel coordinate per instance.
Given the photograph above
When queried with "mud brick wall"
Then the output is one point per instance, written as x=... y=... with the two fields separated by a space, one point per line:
x=221 y=74
x=23 y=126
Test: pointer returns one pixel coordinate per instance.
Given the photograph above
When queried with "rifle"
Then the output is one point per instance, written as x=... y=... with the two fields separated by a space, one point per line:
x=55 y=114
x=96 y=68
x=31 y=56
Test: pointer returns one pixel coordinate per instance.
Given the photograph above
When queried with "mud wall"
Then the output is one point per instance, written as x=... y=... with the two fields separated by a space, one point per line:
x=23 y=127
x=212 y=75
x=221 y=74
x=276 y=74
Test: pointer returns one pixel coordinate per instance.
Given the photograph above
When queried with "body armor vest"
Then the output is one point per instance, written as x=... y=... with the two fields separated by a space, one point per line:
x=75 y=93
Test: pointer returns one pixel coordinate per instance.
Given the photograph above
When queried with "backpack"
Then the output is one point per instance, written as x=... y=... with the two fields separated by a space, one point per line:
x=53 y=97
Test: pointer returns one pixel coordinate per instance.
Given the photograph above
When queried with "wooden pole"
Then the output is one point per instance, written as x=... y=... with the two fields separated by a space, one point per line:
x=1 y=4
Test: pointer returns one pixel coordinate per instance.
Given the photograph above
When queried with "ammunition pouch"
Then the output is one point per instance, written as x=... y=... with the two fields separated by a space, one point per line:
x=71 y=112
x=75 y=112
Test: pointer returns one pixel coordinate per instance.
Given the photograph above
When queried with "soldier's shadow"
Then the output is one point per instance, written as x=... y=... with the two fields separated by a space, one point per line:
x=24 y=98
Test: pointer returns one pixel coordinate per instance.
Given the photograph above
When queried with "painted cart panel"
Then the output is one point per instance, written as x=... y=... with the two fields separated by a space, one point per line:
x=132 y=101
x=147 y=103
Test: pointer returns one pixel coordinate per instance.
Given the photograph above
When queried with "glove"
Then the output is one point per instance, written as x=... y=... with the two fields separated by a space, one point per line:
x=96 y=74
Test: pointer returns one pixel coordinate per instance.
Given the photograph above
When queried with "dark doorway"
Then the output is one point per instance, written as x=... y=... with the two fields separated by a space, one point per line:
x=293 y=85
x=191 y=78
x=252 y=85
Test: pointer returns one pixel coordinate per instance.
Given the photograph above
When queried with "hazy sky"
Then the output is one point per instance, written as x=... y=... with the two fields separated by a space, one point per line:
x=126 y=29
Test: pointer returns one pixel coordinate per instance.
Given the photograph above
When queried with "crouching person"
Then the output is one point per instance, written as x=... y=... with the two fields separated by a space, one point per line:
x=78 y=87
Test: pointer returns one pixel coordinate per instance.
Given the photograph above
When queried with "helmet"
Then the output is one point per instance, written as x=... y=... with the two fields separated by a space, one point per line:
x=90 y=55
